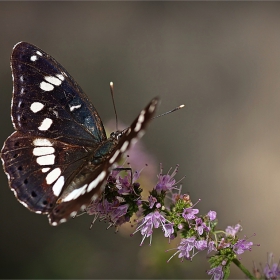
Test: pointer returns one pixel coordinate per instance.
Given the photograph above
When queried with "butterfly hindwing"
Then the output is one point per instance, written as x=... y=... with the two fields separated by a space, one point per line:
x=40 y=168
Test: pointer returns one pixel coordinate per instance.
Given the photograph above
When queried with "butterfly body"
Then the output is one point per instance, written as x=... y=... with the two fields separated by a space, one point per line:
x=59 y=156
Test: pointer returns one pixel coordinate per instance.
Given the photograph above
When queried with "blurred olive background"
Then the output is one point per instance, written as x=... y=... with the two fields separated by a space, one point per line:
x=221 y=59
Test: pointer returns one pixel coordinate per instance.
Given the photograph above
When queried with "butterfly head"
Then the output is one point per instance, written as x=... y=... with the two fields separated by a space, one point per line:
x=116 y=135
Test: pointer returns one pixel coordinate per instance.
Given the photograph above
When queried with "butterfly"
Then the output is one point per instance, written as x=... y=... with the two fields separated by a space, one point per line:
x=59 y=157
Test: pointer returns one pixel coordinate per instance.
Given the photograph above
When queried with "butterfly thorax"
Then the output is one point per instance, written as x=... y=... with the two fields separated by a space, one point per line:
x=105 y=148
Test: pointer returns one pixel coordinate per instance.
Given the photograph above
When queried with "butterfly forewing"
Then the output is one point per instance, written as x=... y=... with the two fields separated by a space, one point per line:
x=59 y=156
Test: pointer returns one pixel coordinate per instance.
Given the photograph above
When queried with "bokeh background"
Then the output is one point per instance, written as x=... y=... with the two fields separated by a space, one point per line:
x=222 y=60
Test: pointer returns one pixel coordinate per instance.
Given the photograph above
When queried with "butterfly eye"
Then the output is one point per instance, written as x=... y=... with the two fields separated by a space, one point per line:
x=113 y=135
x=116 y=135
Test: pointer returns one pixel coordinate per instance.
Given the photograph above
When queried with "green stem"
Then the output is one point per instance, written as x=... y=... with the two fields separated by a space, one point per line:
x=243 y=268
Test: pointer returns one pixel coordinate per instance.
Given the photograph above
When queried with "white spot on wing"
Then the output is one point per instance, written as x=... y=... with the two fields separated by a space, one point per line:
x=33 y=58
x=140 y=121
x=14 y=192
x=72 y=108
x=152 y=108
x=83 y=207
x=42 y=151
x=113 y=158
x=46 y=124
x=137 y=127
x=97 y=180
x=60 y=76
x=23 y=203
x=141 y=117
x=63 y=220
x=56 y=113
x=53 y=80
x=133 y=141
x=53 y=175
x=124 y=146
x=39 y=53
x=42 y=142
x=75 y=193
x=46 y=86
x=73 y=214
x=36 y=107
x=57 y=187
x=13 y=120
x=140 y=133
x=46 y=160
x=45 y=169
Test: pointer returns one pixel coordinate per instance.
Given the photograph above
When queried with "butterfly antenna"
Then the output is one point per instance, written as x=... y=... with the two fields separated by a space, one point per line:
x=171 y=111
x=112 y=95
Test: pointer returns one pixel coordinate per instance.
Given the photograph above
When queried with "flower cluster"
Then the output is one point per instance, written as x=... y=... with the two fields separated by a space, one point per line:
x=174 y=213
x=120 y=199
x=270 y=271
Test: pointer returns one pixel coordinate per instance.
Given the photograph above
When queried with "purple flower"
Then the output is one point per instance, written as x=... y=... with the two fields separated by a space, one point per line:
x=124 y=184
x=201 y=226
x=154 y=220
x=241 y=246
x=146 y=230
x=166 y=182
x=189 y=213
x=100 y=208
x=113 y=212
x=201 y=245
x=212 y=215
x=217 y=272
x=117 y=213
x=233 y=230
x=158 y=205
x=211 y=247
x=223 y=244
x=185 y=247
x=152 y=201
x=271 y=270
x=168 y=230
